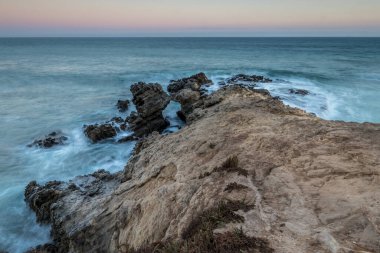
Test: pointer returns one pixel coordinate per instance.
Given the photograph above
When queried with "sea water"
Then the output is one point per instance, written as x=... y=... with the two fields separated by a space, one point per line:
x=60 y=84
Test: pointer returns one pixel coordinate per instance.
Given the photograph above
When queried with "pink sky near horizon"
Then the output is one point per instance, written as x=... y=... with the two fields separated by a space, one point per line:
x=167 y=15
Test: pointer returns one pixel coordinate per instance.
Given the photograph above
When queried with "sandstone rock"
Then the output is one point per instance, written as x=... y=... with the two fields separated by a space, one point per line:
x=122 y=105
x=150 y=101
x=97 y=132
x=249 y=170
x=52 y=139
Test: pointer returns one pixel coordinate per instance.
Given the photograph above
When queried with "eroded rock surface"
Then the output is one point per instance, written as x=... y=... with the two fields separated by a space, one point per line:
x=187 y=92
x=150 y=100
x=249 y=174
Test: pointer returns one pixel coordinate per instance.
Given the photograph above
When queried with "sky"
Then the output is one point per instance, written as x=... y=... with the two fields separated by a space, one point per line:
x=189 y=18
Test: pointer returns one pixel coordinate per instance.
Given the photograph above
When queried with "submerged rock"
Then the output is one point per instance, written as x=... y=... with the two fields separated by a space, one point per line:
x=122 y=105
x=150 y=100
x=299 y=92
x=99 y=132
x=50 y=140
x=248 y=78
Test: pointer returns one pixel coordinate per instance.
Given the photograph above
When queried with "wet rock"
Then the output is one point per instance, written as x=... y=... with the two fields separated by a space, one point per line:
x=99 y=132
x=127 y=139
x=46 y=248
x=193 y=82
x=122 y=105
x=150 y=100
x=41 y=198
x=117 y=120
x=248 y=78
x=299 y=92
x=50 y=140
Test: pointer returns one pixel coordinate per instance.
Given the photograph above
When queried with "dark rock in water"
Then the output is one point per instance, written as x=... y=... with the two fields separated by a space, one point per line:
x=193 y=82
x=50 y=140
x=187 y=92
x=99 y=132
x=46 y=248
x=122 y=105
x=118 y=120
x=40 y=198
x=127 y=139
x=248 y=78
x=150 y=100
x=299 y=92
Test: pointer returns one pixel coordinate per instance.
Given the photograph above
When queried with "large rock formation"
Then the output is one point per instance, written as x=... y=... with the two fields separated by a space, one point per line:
x=187 y=92
x=150 y=100
x=249 y=174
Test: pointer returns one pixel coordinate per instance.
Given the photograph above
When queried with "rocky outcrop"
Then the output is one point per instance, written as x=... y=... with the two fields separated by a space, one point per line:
x=249 y=174
x=150 y=100
x=50 y=140
x=187 y=92
x=122 y=105
x=193 y=83
x=99 y=132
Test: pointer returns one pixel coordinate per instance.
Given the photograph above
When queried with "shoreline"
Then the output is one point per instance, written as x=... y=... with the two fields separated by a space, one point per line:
x=170 y=179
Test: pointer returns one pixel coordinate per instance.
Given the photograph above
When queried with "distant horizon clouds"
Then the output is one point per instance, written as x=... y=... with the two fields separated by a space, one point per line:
x=189 y=18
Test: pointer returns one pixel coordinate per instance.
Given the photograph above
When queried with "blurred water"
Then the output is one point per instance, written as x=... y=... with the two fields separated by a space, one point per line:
x=61 y=84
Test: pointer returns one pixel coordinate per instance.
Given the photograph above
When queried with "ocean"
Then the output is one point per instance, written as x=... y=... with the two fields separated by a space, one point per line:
x=60 y=84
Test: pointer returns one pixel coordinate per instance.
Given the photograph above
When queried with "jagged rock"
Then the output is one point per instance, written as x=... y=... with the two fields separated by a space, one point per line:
x=150 y=100
x=41 y=198
x=194 y=83
x=50 y=140
x=247 y=78
x=299 y=92
x=99 y=132
x=188 y=91
x=122 y=105
x=251 y=170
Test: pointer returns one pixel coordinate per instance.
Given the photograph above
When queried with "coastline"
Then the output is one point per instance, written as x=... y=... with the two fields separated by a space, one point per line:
x=289 y=170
